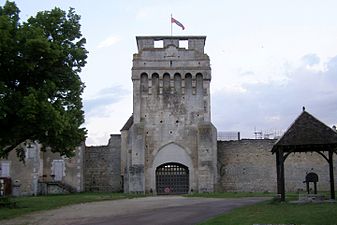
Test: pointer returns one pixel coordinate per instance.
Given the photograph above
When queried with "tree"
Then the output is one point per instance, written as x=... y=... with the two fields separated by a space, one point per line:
x=40 y=87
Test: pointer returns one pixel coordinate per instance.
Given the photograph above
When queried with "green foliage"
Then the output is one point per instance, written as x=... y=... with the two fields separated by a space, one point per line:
x=40 y=87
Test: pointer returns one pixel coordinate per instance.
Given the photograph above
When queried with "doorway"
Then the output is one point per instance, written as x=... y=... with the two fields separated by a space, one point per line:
x=172 y=178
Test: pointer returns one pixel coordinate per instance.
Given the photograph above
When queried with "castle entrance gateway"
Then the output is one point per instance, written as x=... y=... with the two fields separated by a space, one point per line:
x=172 y=178
x=169 y=144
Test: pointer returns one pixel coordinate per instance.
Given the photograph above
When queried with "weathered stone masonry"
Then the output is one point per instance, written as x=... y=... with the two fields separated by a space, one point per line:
x=43 y=172
x=171 y=114
x=248 y=165
x=102 y=167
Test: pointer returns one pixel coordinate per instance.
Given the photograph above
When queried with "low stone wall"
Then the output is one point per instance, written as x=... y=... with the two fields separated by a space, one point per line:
x=102 y=171
x=248 y=165
x=243 y=166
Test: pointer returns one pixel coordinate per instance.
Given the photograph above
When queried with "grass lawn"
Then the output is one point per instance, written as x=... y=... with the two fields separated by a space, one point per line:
x=30 y=204
x=270 y=212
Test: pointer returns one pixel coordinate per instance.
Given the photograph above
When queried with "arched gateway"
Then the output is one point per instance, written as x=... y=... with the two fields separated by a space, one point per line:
x=172 y=178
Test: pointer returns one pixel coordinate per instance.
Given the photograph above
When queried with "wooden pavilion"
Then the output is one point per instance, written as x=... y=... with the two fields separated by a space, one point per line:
x=306 y=134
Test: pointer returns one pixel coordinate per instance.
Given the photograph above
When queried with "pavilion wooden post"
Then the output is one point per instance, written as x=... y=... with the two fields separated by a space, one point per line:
x=280 y=174
x=332 y=182
x=283 y=194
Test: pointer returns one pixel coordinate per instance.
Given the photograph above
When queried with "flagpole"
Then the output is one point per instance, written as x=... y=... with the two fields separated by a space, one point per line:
x=171 y=24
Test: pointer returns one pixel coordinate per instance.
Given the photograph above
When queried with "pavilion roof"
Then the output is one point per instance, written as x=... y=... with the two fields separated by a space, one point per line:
x=307 y=133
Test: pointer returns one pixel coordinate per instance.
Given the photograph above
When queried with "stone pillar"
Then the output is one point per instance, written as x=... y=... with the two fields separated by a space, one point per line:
x=207 y=154
x=136 y=168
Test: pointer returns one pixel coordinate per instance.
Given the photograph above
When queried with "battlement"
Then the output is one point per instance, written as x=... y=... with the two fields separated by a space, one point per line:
x=196 y=43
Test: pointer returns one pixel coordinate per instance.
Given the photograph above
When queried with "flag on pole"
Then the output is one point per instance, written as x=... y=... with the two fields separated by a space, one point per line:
x=177 y=22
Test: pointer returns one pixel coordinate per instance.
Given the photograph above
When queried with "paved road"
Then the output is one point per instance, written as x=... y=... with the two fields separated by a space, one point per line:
x=159 y=210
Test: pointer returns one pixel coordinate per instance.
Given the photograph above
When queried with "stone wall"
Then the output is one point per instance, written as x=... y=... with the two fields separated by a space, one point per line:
x=248 y=165
x=102 y=167
x=39 y=167
x=24 y=174
x=72 y=169
x=298 y=165
x=244 y=165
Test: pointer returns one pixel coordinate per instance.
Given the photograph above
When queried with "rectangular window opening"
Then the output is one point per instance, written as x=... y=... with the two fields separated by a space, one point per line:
x=159 y=44
x=183 y=44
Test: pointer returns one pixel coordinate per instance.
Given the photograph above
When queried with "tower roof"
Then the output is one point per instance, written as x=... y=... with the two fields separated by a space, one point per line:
x=128 y=124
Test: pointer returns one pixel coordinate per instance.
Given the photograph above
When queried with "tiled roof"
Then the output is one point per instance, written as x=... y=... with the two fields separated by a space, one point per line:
x=307 y=131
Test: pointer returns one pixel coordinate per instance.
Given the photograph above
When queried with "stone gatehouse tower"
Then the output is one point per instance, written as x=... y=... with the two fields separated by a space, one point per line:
x=169 y=144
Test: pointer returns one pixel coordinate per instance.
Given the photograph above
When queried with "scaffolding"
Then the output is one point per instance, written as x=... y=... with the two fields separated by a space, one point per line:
x=228 y=136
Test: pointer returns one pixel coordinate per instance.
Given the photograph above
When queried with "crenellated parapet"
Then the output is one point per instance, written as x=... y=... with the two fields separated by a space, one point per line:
x=196 y=43
x=170 y=73
x=183 y=55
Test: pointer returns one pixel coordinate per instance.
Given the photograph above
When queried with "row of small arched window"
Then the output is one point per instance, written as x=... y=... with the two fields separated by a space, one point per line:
x=177 y=82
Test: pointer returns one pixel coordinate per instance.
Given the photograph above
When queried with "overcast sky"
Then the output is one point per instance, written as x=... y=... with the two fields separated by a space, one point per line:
x=268 y=58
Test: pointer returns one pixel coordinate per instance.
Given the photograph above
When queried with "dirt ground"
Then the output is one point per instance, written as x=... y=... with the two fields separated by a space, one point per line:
x=149 y=210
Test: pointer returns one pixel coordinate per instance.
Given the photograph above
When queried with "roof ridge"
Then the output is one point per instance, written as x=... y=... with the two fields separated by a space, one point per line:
x=307 y=130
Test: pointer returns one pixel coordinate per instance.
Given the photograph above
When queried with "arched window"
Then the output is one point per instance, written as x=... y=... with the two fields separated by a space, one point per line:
x=188 y=84
x=199 y=87
x=177 y=83
x=144 y=83
x=166 y=83
x=155 y=83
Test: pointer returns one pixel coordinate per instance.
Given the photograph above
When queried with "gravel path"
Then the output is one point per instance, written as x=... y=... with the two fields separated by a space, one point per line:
x=150 y=210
